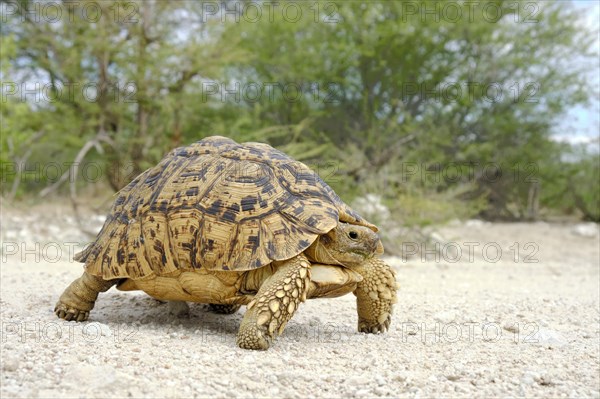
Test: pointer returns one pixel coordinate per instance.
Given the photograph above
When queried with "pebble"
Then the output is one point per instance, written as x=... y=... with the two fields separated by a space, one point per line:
x=359 y=380
x=446 y=316
x=10 y=363
x=538 y=377
x=452 y=376
x=588 y=230
x=548 y=338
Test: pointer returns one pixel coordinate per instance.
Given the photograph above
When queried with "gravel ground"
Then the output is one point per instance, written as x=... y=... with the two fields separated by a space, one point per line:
x=523 y=322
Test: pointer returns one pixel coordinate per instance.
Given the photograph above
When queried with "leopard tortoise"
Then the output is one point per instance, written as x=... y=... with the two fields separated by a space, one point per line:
x=231 y=224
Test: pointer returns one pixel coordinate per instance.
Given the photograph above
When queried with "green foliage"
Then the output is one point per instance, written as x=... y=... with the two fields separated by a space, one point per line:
x=572 y=182
x=375 y=98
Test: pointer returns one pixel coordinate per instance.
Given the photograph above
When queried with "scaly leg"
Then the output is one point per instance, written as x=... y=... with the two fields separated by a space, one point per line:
x=179 y=308
x=375 y=296
x=223 y=309
x=78 y=299
x=274 y=304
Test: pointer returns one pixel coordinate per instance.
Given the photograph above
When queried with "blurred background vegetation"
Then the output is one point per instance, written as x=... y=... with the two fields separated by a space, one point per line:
x=433 y=115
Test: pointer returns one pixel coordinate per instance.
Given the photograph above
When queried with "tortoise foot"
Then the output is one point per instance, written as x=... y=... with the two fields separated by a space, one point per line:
x=80 y=296
x=179 y=308
x=375 y=296
x=252 y=336
x=222 y=309
x=66 y=312
x=375 y=327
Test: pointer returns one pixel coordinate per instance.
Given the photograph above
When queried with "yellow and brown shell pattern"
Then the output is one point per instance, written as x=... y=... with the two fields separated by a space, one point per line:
x=215 y=204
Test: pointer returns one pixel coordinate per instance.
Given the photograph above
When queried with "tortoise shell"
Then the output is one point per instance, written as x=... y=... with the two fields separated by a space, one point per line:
x=215 y=204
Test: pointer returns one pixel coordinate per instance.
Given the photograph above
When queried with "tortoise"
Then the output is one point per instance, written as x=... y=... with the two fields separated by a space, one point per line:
x=231 y=224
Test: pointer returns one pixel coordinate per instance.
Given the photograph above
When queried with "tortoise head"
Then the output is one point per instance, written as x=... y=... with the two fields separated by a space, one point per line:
x=347 y=245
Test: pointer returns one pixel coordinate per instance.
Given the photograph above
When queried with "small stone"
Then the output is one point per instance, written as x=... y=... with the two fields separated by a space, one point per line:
x=10 y=363
x=446 y=316
x=511 y=327
x=529 y=378
x=452 y=377
x=357 y=381
x=548 y=338
x=589 y=230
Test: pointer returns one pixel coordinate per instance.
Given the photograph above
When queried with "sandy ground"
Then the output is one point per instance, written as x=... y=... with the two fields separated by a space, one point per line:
x=520 y=323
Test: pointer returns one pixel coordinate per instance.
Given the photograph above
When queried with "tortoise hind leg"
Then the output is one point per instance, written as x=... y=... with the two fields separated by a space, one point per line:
x=78 y=299
x=274 y=304
x=179 y=308
x=222 y=309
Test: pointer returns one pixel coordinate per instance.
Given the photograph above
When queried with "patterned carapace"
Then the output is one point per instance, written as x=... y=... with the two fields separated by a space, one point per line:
x=215 y=204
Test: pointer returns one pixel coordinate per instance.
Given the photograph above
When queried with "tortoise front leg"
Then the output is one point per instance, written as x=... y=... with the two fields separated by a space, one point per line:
x=375 y=295
x=78 y=299
x=274 y=304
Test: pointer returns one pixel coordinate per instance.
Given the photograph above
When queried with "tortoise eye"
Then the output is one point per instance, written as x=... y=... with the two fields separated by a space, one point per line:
x=353 y=235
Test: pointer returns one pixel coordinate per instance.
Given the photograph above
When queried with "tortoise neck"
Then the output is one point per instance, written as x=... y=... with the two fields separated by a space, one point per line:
x=318 y=253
